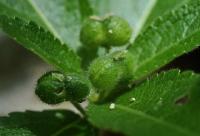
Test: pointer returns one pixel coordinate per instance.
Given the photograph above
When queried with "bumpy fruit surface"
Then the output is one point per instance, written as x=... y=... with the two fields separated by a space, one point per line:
x=110 y=73
x=118 y=31
x=92 y=33
x=76 y=87
x=50 y=88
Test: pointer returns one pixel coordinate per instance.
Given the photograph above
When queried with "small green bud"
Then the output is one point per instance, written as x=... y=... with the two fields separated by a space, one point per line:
x=118 y=31
x=109 y=74
x=76 y=87
x=50 y=88
x=92 y=33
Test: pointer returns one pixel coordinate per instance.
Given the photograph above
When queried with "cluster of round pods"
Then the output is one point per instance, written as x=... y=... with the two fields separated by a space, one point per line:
x=109 y=31
x=55 y=87
x=107 y=74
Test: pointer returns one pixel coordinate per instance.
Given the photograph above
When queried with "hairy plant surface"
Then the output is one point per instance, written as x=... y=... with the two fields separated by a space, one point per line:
x=108 y=52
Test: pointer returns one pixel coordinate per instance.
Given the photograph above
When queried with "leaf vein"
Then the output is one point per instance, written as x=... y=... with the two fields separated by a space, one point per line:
x=158 y=121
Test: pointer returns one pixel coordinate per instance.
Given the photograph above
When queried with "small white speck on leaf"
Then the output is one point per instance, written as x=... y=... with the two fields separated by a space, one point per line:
x=132 y=99
x=112 y=106
x=110 y=31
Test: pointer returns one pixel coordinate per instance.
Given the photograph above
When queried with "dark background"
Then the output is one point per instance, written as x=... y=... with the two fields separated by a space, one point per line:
x=189 y=61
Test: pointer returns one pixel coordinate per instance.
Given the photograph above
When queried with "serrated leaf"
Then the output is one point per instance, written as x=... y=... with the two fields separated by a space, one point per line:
x=134 y=11
x=161 y=7
x=170 y=36
x=46 y=123
x=41 y=42
x=166 y=105
x=61 y=17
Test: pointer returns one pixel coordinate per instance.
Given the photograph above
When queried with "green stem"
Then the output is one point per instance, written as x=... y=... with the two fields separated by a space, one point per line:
x=79 y=108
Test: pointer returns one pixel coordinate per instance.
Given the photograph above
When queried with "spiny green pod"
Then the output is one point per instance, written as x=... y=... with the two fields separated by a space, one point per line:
x=109 y=74
x=76 y=87
x=118 y=31
x=92 y=33
x=50 y=88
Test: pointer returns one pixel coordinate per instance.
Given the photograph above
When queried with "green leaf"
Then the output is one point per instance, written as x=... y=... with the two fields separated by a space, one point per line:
x=41 y=42
x=168 y=37
x=62 y=18
x=21 y=9
x=15 y=132
x=134 y=11
x=46 y=123
x=166 y=105
x=163 y=6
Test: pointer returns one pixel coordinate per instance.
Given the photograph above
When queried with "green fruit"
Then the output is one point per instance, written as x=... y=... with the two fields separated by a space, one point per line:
x=118 y=31
x=76 y=87
x=110 y=73
x=50 y=88
x=92 y=33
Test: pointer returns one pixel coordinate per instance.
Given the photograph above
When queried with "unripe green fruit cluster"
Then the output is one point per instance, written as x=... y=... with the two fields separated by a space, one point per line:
x=110 y=73
x=112 y=31
x=77 y=87
x=92 y=33
x=54 y=87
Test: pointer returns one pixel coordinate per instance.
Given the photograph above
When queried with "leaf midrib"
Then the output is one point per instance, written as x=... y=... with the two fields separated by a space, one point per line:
x=44 y=19
x=164 y=50
x=157 y=121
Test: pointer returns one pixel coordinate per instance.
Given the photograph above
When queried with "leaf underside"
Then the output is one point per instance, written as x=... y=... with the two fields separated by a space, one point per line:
x=166 y=105
x=170 y=36
x=62 y=18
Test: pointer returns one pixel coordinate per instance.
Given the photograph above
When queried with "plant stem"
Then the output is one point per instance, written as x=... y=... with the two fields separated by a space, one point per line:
x=79 y=108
